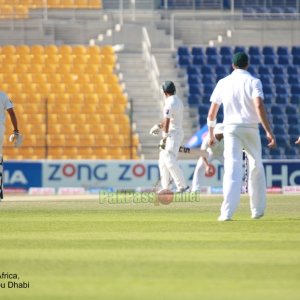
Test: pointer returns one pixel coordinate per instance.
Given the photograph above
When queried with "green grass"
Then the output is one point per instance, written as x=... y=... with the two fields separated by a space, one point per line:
x=82 y=250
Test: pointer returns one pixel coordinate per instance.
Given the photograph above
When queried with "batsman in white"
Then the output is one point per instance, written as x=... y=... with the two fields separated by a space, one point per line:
x=242 y=98
x=215 y=153
x=16 y=138
x=172 y=133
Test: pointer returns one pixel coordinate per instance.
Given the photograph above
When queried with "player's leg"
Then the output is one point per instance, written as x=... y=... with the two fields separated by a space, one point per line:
x=164 y=172
x=232 y=180
x=1 y=177
x=256 y=179
x=170 y=158
x=198 y=174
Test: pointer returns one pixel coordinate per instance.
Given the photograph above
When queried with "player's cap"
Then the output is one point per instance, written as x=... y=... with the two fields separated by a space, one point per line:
x=219 y=128
x=169 y=87
x=240 y=59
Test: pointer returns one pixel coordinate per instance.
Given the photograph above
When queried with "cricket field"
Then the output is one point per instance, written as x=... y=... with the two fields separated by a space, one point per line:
x=80 y=249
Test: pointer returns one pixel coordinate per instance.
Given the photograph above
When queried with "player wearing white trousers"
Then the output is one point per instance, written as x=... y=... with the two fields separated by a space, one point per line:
x=172 y=138
x=242 y=98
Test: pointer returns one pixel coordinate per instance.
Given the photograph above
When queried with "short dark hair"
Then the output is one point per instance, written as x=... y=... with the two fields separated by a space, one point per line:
x=240 y=59
x=169 y=87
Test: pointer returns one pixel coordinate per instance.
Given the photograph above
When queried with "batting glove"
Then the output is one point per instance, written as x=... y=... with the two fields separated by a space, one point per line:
x=155 y=130
x=162 y=144
x=16 y=138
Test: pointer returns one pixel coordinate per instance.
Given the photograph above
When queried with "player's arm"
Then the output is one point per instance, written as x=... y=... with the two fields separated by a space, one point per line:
x=261 y=112
x=211 y=121
x=13 y=119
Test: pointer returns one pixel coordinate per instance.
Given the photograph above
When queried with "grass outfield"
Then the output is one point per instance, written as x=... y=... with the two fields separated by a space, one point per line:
x=82 y=250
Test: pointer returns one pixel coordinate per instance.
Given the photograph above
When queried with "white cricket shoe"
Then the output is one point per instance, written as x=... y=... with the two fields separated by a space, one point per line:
x=222 y=219
x=182 y=190
x=257 y=216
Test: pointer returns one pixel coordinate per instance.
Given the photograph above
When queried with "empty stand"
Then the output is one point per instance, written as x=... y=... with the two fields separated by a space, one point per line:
x=62 y=111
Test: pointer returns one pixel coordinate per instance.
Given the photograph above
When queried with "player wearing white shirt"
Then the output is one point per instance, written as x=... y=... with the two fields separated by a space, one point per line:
x=6 y=105
x=215 y=152
x=172 y=139
x=242 y=98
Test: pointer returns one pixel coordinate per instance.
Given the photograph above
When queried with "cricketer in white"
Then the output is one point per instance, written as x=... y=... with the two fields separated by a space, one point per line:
x=215 y=152
x=242 y=98
x=6 y=105
x=172 y=138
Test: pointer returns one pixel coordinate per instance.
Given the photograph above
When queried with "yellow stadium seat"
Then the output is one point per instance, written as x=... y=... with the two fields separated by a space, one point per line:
x=63 y=69
x=86 y=88
x=105 y=98
x=82 y=3
x=97 y=79
x=75 y=108
x=78 y=69
x=100 y=151
x=80 y=60
x=65 y=49
x=22 y=49
x=66 y=59
x=21 y=69
x=94 y=59
x=55 y=151
x=80 y=119
x=91 y=98
x=69 y=129
x=38 y=59
x=53 y=3
x=8 y=49
x=118 y=109
x=53 y=78
x=73 y=139
x=107 y=50
x=10 y=78
x=9 y=59
x=39 y=78
x=83 y=78
x=123 y=119
x=69 y=78
x=20 y=11
x=103 y=108
x=82 y=128
x=24 y=78
x=58 y=88
x=51 y=50
x=108 y=60
x=14 y=88
x=72 y=88
x=43 y=88
x=70 y=151
x=93 y=50
x=79 y=50
x=77 y=98
x=29 y=88
x=35 y=69
x=94 y=119
x=55 y=140
x=67 y=4
x=52 y=60
x=24 y=59
x=37 y=3
x=37 y=50
x=100 y=88
x=108 y=119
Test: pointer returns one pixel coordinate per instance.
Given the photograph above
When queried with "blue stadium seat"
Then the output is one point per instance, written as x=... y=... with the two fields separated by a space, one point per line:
x=294 y=129
x=255 y=60
x=208 y=79
x=282 y=99
x=289 y=10
x=282 y=90
x=252 y=70
x=198 y=60
x=226 y=60
x=197 y=51
x=211 y=51
x=276 y=110
x=221 y=70
x=295 y=89
x=277 y=70
x=195 y=89
x=293 y=120
x=268 y=50
x=294 y=79
x=282 y=50
x=290 y=152
x=206 y=70
x=193 y=70
x=225 y=50
x=213 y=60
x=203 y=109
x=291 y=109
x=292 y=70
x=269 y=60
x=267 y=89
x=254 y=50
x=279 y=129
x=296 y=60
x=275 y=153
x=293 y=139
x=183 y=50
x=184 y=61
x=277 y=119
x=284 y=60
x=208 y=88
x=194 y=100
x=265 y=70
x=295 y=99
x=281 y=141
x=206 y=98
x=239 y=49
x=268 y=99
x=296 y=50
x=279 y=79
x=202 y=121
x=265 y=79
x=194 y=79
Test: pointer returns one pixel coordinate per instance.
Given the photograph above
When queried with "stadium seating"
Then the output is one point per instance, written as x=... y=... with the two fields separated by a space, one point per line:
x=62 y=111
x=279 y=71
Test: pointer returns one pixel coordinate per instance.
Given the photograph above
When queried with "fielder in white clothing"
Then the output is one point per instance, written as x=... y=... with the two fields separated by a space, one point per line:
x=16 y=138
x=172 y=133
x=215 y=152
x=242 y=98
